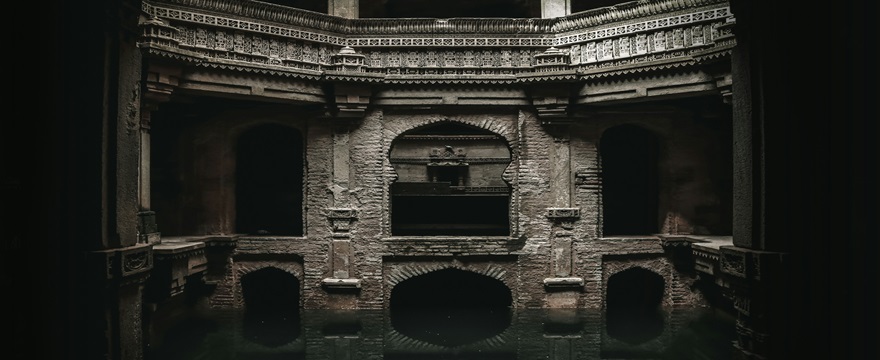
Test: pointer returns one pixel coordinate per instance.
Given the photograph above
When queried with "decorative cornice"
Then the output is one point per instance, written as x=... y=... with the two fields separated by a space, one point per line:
x=269 y=39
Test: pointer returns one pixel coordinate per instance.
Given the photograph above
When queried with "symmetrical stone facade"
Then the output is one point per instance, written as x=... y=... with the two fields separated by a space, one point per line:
x=546 y=88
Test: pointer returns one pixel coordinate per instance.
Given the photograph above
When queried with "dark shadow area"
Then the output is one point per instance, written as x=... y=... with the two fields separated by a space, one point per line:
x=501 y=355
x=293 y=355
x=269 y=181
x=311 y=5
x=633 y=306
x=708 y=336
x=182 y=341
x=584 y=5
x=450 y=307
x=272 y=299
x=450 y=9
x=629 y=181
x=447 y=215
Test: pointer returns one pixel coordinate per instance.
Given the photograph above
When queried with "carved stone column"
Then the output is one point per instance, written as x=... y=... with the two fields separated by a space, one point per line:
x=562 y=214
x=351 y=102
x=159 y=82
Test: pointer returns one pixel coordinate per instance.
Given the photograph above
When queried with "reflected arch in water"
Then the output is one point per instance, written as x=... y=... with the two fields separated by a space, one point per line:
x=450 y=307
x=633 y=305
x=271 y=297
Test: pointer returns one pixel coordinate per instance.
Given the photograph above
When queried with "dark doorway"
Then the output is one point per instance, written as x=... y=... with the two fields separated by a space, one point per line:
x=633 y=305
x=630 y=189
x=269 y=181
x=271 y=298
x=451 y=307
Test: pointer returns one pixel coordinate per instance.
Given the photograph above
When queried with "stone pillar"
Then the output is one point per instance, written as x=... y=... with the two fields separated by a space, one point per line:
x=562 y=283
x=116 y=286
x=555 y=8
x=348 y=9
x=159 y=83
x=351 y=102
x=756 y=266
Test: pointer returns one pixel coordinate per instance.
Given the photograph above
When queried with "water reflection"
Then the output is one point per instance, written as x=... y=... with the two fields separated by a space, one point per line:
x=412 y=334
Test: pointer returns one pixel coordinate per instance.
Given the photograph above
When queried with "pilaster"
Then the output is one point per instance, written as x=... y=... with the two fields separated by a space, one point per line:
x=116 y=281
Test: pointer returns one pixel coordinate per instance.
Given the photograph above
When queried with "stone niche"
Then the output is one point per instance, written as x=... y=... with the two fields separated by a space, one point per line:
x=450 y=182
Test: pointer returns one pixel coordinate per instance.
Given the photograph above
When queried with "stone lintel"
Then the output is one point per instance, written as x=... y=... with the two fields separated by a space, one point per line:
x=341 y=284
x=564 y=283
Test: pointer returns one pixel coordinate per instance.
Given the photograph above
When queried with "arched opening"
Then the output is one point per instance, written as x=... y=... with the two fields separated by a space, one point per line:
x=271 y=297
x=630 y=181
x=633 y=305
x=451 y=307
x=269 y=181
x=450 y=182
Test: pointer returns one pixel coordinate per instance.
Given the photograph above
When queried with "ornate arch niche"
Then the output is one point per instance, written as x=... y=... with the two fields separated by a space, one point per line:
x=450 y=182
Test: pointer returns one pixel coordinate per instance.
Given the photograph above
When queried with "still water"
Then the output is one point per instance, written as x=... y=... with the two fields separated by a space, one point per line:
x=692 y=333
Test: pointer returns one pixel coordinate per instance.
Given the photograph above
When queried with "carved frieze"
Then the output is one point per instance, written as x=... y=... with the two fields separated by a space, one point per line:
x=473 y=48
x=122 y=264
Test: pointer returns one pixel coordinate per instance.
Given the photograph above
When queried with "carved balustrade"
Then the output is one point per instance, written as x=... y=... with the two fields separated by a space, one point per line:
x=270 y=39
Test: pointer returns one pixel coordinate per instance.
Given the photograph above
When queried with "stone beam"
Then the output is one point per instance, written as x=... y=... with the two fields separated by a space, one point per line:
x=251 y=86
x=435 y=97
x=691 y=83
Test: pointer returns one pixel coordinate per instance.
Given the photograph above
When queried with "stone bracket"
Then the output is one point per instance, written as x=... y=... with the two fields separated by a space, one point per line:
x=331 y=284
x=563 y=214
x=350 y=100
x=123 y=263
x=564 y=283
x=341 y=220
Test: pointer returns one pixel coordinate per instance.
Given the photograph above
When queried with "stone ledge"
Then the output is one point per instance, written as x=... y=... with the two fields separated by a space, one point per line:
x=341 y=284
x=564 y=283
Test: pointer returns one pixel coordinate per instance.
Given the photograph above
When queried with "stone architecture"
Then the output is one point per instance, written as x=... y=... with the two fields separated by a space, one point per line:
x=558 y=153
